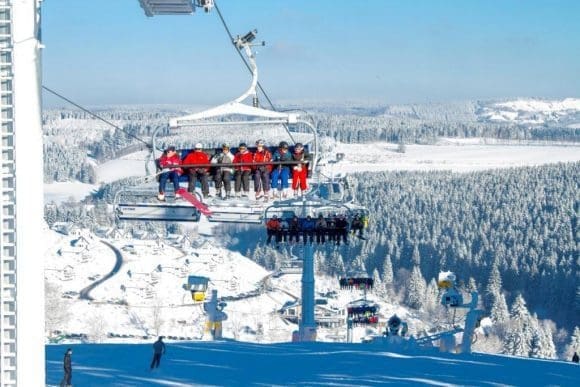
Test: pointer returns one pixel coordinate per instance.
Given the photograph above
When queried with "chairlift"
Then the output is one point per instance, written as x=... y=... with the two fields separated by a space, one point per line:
x=363 y=312
x=174 y=7
x=235 y=114
x=356 y=282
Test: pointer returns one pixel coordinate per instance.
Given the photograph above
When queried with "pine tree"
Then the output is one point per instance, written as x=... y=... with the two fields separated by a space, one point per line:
x=432 y=299
x=378 y=286
x=471 y=285
x=499 y=311
x=388 y=275
x=519 y=336
x=493 y=287
x=574 y=345
x=416 y=258
x=416 y=289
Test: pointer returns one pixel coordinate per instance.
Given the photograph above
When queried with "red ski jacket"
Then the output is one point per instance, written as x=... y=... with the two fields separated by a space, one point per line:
x=261 y=157
x=246 y=157
x=197 y=157
x=165 y=162
x=273 y=224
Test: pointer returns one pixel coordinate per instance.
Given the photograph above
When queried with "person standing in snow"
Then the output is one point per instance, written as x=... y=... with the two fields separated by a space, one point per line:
x=67 y=379
x=575 y=358
x=158 y=350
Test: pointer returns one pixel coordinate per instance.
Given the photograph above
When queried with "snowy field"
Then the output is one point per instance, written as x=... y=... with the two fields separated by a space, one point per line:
x=453 y=155
x=458 y=155
x=230 y=363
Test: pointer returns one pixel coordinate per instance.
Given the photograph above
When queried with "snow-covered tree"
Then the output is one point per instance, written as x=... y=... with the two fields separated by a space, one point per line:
x=520 y=331
x=416 y=289
x=574 y=345
x=541 y=342
x=494 y=287
x=387 y=275
x=499 y=310
x=432 y=299
x=56 y=309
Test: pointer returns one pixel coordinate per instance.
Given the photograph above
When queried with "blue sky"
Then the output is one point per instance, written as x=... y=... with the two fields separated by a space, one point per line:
x=381 y=51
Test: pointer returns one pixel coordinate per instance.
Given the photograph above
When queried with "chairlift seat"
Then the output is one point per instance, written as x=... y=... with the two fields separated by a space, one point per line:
x=167 y=7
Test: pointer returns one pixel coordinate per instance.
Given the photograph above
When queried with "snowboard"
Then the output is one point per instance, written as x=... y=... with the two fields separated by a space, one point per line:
x=203 y=208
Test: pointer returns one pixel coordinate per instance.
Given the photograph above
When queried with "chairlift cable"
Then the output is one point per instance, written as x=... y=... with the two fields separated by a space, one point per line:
x=248 y=66
x=95 y=115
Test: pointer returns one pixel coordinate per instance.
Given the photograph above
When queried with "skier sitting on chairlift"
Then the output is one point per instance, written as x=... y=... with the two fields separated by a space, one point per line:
x=294 y=229
x=308 y=226
x=243 y=171
x=281 y=172
x=320 y=229
x=197 y=156
x=284 y=228
x=169 y=160
x=262 y=172
x=299 y=171
x=341 y=225
x=273 y=229
x=357 y=225
x=223 y=175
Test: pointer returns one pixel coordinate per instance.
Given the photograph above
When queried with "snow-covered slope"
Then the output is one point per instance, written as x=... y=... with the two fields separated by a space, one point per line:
x=119 y=287
x=231 y=363
x=532 y=111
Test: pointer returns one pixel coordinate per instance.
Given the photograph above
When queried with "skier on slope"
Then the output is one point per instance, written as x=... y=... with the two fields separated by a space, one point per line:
x=158 y=351
x=67 y=365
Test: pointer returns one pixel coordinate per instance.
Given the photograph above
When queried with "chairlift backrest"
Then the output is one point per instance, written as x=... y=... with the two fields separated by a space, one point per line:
x=212 y=151
x=197 y=283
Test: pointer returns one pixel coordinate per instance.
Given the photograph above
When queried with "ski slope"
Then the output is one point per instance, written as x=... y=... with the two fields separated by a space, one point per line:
x=230 y=363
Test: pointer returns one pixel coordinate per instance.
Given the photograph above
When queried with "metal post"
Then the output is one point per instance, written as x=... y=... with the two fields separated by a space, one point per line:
x=349 y=330
x=307 y=329
x=471 y=319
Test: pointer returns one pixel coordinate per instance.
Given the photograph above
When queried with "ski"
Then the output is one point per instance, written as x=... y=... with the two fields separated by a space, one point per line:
x=204 y=209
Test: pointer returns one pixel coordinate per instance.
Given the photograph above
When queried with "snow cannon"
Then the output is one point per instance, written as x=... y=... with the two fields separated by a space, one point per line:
x=446 y=280
x=396 y=327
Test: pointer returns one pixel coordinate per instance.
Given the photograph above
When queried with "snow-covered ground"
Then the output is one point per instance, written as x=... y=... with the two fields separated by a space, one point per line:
x=147 y=298
x=453 y=155
x=230 y=363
